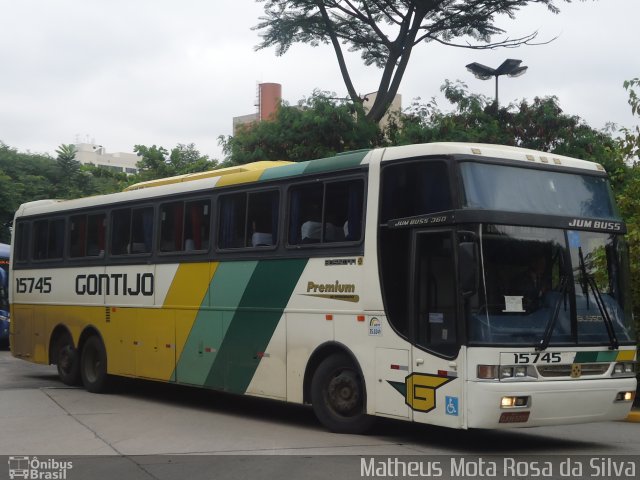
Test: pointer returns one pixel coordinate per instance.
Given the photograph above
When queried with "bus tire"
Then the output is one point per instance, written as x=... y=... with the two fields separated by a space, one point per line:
x=338 y=396
x=93 y=365
x=67 y=361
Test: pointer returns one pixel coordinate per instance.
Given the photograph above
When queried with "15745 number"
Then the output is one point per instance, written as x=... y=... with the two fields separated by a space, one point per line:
x=31 y=285
x=530 y=358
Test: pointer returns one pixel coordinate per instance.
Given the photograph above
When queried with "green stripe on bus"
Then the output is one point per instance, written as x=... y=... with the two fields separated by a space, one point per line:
x=339 y=162
x=592 y=357
x=329 y=164
x=284 y=171
x=253 y=324
x=211 y=324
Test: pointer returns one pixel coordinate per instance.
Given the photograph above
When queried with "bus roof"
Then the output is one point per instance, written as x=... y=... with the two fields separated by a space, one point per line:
x=270 y=170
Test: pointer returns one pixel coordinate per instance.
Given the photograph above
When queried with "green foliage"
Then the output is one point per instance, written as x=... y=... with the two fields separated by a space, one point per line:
x=539 y=125
x=158 y=162
x=319 y=126
x=628 y=194
x=631 y=136
x=26 y=177
x=385 y=32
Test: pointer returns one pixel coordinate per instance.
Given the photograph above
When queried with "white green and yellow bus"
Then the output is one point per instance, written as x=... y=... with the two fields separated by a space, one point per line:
x=460 y=285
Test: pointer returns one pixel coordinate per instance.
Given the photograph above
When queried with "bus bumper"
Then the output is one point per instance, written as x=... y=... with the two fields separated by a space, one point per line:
x=548 y=403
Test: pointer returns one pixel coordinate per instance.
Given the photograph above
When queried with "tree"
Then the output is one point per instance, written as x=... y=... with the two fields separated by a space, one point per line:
x=319 y=126
x=385 y=32
x=158 y=162
x=540 y=125
x=72 y=181
x=631 y=141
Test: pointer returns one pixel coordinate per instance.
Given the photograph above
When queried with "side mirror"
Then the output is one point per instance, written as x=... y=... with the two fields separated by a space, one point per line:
x=468 y=268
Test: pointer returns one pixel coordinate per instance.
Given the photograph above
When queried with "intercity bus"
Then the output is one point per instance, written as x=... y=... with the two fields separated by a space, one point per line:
x=460 y=285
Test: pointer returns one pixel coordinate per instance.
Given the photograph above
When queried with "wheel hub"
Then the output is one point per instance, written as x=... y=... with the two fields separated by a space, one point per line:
x=343 y=391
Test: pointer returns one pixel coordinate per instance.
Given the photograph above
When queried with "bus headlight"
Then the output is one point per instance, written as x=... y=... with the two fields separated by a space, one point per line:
x=625 y=396
x=514 y=402
x=627 y=369
x=506 y=372
x=487 y=372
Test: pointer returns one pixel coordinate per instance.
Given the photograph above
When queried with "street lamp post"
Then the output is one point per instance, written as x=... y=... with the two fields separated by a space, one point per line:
x=509 y=67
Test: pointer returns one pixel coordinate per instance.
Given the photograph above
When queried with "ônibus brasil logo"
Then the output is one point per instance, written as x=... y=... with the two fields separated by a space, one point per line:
x=35 y=469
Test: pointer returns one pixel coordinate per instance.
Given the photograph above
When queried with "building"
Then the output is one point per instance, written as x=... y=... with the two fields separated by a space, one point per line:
x=267 y=101
x=270 y=94
x=92 y=154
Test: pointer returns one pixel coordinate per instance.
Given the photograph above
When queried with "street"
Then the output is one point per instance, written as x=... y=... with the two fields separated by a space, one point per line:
x=40 y=416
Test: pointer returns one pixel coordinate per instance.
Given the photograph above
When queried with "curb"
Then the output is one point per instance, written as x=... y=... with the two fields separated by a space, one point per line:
x=634 y=416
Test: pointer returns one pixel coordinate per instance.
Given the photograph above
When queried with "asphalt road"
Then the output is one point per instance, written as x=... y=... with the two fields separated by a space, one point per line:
x=150 y=430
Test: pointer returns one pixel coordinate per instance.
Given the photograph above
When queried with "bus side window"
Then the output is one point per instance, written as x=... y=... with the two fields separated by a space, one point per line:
x=412 y=189
x=96 y=226
x=249 y=220
x=48 y=239
x=77 y=236
x=233 y=209
x=262 y=218
x=327 y=213
x=21 y=247
x=120 y=231
x=171 y=227
x=184 y=226
x=132 y=231
x=197 y=225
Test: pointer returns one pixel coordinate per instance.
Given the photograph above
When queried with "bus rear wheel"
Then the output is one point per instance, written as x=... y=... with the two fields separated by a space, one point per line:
x=93 y=366
x=67 y=360
x=337 y=396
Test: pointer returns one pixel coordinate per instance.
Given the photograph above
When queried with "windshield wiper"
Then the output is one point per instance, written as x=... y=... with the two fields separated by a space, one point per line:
x=590 y=282
x=551 y=324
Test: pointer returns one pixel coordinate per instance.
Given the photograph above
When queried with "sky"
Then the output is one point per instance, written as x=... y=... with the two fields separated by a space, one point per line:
x=161 y=72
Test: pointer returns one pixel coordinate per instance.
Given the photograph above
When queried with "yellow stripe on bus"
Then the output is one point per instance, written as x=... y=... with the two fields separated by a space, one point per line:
x=186 y=294
x=626 y=355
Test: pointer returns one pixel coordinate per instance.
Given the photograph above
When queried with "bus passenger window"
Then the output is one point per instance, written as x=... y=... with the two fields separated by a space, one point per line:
x=132 y=231
x=262 y=219
x=233 y=209
x=48 y=239
x=197 y=225
x=77 y=236
x=86 y=235
x=184 y=226
x=120 y=231
x=141 y=230
x=21 y=247
x=171 y=225
x=96 y=235
x=325 y=213
x=249 y=219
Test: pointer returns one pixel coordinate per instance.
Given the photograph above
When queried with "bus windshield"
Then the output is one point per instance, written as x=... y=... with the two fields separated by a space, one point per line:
x=542 y=287
x=515 y=189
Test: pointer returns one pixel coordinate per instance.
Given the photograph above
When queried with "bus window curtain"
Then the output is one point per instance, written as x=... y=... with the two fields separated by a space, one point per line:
x=354 y=214
x=178 y=225
x=294 y=224
x=196 y=211
x=274 y=216
x=147 y=225
x=228 y=218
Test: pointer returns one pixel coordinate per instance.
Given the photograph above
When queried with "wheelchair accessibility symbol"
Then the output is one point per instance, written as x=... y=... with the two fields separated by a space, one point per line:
x=451 y=405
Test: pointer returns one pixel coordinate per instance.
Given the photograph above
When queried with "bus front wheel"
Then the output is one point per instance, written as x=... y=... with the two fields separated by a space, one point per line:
x=93 y=365
x=67 y=360
x=337 y=396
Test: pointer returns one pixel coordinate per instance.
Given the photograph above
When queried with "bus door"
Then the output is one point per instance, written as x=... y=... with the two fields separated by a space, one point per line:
x=434 y=391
